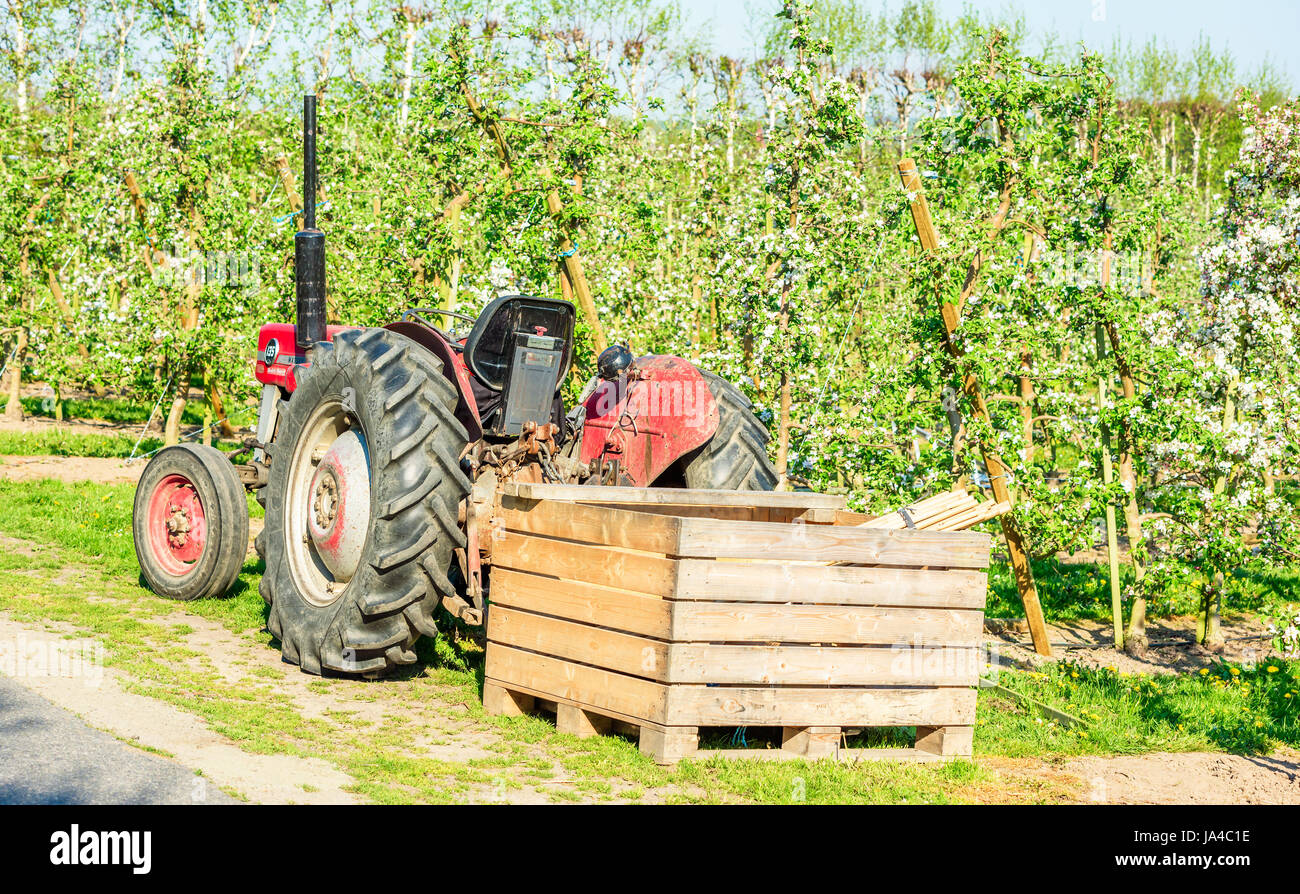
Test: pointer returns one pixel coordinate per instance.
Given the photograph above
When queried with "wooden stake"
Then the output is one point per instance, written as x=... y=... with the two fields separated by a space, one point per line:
x=971 y=387
x=286 y=180
x=1107 y=471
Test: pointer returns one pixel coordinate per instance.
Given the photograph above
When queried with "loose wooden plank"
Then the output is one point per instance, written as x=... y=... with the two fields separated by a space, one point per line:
x=606 y=566
x=588 y=603
x=842 y=624
x=622 y=652
x=807 y=706
x=698 y=579
x=582 y=493
x=624 y=697
x=706 y=538
x=786 y=665
x=597 y=525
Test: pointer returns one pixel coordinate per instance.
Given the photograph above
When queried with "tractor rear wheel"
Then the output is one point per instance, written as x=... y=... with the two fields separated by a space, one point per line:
x=735 y=458
x=361 y=505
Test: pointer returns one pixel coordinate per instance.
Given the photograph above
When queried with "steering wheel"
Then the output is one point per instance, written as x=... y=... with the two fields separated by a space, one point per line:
x=418 y=313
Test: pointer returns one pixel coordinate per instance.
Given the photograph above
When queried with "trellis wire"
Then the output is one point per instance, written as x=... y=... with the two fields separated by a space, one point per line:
x=149 y=421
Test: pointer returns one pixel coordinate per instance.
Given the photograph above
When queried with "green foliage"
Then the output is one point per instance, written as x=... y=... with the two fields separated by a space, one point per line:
x=743 y=213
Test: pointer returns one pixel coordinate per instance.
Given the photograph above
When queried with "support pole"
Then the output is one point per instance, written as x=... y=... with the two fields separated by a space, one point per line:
x=971 y=387
x=1108 y=476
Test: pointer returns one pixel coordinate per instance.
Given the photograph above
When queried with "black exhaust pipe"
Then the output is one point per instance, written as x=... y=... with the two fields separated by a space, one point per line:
x=309 y=242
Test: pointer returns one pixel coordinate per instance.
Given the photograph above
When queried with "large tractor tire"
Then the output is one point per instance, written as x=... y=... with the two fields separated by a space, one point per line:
x=735 y=458
x=190 y=522
x=361 y=505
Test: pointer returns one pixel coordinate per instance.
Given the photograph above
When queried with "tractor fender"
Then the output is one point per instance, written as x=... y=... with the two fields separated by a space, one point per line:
x=453 y=369
x=649 y=418
x=278 y=357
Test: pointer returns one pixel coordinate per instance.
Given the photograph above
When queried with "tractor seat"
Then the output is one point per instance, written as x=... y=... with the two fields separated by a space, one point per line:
x=490 y=346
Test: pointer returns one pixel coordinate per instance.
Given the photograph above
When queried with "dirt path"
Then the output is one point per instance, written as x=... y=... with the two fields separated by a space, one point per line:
x=1198 y=778
x=71 y=469
x=101 y=699
x=1173 y=645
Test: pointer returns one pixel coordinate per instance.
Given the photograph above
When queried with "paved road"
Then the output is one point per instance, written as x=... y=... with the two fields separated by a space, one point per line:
x=49 y=756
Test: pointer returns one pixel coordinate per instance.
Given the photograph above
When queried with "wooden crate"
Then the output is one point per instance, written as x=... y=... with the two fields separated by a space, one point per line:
x=615 y=611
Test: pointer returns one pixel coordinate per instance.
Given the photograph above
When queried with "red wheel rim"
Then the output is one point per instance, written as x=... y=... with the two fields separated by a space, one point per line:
x=178 y=529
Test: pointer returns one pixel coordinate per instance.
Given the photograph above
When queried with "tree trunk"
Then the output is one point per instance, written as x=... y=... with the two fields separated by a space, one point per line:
x=20 y=48
x=408 y=71
x=14 y=409
x=172 y=431
x=1135 y=641
x=1210 y=629
x=218 y=408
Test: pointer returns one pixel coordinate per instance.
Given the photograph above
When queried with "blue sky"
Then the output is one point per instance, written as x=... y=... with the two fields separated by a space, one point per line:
x=1252 y=29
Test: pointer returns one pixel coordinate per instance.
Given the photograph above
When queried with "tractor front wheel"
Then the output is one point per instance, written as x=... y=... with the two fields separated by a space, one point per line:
x=190 y=522
x=361 y=505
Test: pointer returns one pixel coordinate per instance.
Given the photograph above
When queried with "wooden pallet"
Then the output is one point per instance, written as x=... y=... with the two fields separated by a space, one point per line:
x=673 y=622
x=670 y=744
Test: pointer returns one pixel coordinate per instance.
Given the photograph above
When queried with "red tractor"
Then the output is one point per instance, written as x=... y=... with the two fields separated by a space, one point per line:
x=379 y=450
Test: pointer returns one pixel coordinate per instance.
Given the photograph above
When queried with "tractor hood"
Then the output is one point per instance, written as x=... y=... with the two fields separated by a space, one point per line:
x=649 y=418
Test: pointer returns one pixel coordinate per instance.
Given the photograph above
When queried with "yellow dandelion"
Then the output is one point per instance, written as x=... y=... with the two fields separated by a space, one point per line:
x=1272 y=668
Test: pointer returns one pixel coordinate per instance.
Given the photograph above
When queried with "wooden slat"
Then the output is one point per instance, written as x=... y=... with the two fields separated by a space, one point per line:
x=725 y=513
x=736 y=664
x=842 y=624
x=582 y=493
x=811 y=706
x=814 y=515
x=596 y=525
x=785 y=665
x=699 y=579
x=634 y=699
x=625 y=697
x=588 y=603
x=603 y=565
x=829 y=543
x=845 y=517
x=622 y=652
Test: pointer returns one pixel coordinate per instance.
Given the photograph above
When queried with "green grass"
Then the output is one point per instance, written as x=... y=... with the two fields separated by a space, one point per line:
x=1242 y=710
x=58 y=442
x=119 y=410
x=65 y=443
x=1080 y=591
x=76 y=543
